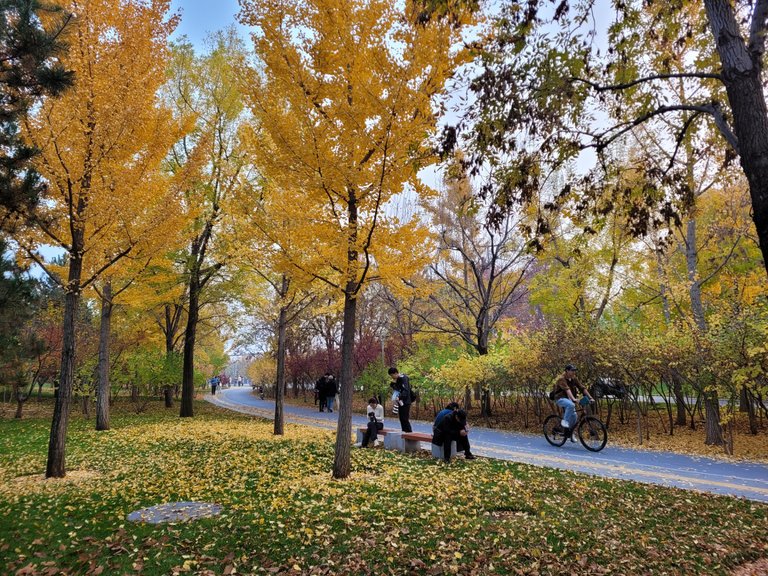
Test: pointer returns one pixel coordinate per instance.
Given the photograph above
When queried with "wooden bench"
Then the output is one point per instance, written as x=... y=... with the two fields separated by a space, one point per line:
x=412 y=443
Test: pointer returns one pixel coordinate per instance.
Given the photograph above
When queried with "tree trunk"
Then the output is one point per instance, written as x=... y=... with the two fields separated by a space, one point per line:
x=102 y=391
x=342 y=464
x=280 y=384
x=19 y=407
x=744 y=399
x=677 y=390
x=168 y=394
x=694 y=287
x=485 y=404
x=56 y=464
x=663 y=290
x=743 y=83
x=751 y=412
x=342 y=458
x=171 y=326
x=188 y=371
x=713 y=428
x=467 y=399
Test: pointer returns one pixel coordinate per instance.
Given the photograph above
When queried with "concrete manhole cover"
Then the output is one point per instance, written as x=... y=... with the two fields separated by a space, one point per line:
x=175 y=512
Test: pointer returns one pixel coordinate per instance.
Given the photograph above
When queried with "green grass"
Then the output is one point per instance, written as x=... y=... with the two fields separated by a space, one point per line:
x=284 y=514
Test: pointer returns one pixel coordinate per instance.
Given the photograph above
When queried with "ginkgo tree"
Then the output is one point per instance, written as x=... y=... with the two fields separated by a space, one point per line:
x=344 y=104
x=205 y=87
x=102 y=144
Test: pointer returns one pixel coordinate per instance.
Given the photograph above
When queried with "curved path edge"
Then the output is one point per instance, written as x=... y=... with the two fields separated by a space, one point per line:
x=741 y=479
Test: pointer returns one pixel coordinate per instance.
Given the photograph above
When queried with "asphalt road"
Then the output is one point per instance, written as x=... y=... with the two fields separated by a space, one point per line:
x=742 y=479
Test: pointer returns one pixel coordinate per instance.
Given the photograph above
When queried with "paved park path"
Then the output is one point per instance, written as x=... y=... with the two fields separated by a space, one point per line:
x=744 y=479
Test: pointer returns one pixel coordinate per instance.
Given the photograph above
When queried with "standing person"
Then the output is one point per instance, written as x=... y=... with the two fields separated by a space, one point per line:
x=331 y=389
x=320 y=387
x=453 y=428
x=214 y=384
x=375 y=422
x=566 y=387
x=402 y=384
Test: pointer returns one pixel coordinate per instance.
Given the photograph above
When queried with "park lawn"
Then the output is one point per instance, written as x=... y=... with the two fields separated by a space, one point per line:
x=284 y=514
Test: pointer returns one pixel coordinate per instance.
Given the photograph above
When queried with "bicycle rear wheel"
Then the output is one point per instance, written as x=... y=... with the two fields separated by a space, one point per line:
x=592 y=434
x=552 y=430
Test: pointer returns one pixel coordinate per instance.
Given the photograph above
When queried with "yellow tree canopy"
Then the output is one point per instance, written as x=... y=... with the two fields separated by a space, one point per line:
x=102 y=143
x=344 y=109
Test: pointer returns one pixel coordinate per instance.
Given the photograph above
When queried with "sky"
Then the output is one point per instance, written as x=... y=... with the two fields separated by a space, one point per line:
x=200 y=17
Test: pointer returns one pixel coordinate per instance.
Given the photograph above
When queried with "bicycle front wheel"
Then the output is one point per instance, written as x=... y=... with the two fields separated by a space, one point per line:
x=592 y=434
x=552 y=430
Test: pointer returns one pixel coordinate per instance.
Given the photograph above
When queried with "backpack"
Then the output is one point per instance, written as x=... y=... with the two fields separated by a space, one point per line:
x=415 y=396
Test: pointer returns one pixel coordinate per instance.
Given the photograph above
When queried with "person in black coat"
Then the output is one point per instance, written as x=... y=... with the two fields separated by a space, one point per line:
x=401 y=383
x=320 y=387
x=452 y=427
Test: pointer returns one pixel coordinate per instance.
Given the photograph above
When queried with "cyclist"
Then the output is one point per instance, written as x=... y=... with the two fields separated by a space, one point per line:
x=566 y=388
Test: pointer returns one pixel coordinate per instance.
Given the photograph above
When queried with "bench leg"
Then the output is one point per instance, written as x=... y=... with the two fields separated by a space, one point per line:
x=437 y=451
x=394 y=441
x=412 y=446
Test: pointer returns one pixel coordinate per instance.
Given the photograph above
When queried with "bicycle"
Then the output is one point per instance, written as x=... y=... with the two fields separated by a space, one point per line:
x=592 y=433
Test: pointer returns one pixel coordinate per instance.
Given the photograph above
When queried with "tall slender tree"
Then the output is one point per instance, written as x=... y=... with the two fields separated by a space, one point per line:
x=206 y=87
x=102 y=144
x=344 y=108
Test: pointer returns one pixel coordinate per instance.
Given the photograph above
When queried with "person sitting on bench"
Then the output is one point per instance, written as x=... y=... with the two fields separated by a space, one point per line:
x=449 y=408
x=453 y=428
x=375 y=422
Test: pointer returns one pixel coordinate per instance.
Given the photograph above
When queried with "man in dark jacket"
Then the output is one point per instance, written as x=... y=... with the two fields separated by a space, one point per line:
x=320 y=387
x=401 y=383
x=331 y=389
x=452 y=428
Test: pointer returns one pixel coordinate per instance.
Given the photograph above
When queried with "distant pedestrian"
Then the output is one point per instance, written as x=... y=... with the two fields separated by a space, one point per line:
x=331 y=389
x=214 y=385
x=402 y=384
x=320 y=387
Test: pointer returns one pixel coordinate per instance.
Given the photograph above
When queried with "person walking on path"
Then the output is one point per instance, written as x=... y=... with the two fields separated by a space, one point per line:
x=320 y=388
x=214 y=385
x=402 y=384
x=453 y=428
x=331 y=389
x=375 y=422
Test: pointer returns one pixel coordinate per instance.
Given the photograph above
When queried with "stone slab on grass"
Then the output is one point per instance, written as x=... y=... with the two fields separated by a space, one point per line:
x=175 y=512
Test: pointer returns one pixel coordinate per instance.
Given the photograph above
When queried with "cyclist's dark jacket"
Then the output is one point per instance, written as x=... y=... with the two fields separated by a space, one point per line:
x=562 y=385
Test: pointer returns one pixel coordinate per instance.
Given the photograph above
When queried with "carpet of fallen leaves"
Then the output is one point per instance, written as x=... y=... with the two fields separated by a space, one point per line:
x=284 y=514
